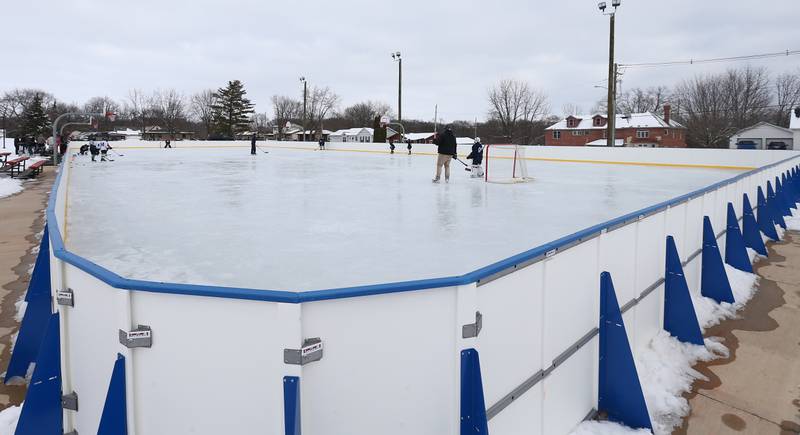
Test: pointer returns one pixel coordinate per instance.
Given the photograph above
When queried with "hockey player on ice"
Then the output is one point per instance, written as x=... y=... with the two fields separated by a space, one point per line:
x=104 y=147
x=446 y=143
x=253 y=145
x=93 y=150
x=477 y=159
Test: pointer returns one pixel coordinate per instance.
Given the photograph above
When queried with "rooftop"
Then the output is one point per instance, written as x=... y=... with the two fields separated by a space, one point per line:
x=633 y=120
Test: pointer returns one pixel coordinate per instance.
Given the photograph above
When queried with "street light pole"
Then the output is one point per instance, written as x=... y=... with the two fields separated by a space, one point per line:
x=612 y=74
x=305 y=96
x=396 y=56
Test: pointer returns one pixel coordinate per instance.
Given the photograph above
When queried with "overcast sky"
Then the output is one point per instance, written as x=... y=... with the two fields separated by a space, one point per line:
x=452 y=50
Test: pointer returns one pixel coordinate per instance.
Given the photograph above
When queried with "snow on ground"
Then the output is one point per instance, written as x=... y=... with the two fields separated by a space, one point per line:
x=8 y=419
x=793 y=223
x=9 y=186
x=665 y=364
x=301 y=219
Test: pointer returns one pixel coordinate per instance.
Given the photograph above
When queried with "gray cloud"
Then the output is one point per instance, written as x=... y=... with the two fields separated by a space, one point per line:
x=452 y=50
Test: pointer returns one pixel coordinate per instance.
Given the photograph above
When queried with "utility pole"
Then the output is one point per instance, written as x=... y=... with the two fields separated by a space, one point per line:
x=396 y=57
x=475 y=136
x=436 y=118
x=305 y=97
x=612 y=74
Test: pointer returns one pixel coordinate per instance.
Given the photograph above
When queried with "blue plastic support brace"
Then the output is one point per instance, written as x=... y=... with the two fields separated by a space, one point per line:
x=787 y=193
x=765 y=222
x=620 y=393
x=714 y=282
x=114 y=420
x=680 y=319
x=41 y=412
x=783 y=201
x=750 y=231
x=37 y=313
x=473 y=407
x=291 y=405
x=735 y=249
x=774 y=207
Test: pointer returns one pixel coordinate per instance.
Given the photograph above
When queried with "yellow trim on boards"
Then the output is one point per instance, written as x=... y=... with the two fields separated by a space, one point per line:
x=543 y=159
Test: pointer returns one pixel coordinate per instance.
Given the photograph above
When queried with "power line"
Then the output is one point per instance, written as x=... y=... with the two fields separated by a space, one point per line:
x=712 y=60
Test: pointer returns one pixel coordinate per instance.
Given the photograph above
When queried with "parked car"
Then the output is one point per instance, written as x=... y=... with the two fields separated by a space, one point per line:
x=746 y=145
x=777 y=146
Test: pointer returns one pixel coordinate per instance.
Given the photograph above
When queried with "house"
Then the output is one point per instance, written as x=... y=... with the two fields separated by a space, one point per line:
x=763 y=136
x=358 y=134
x=794 y=125
x=128 y=133
x=420 y=137
x=635 y=129
x=160 y=134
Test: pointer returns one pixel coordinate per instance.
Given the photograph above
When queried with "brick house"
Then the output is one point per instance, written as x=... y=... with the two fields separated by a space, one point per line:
x=635 y=129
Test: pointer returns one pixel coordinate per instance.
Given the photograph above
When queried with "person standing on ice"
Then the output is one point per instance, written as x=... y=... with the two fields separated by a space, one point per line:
x=167 y=143
x=104 y=147
x=93 y=150
x=446 y=144
x=321 y=143
x=477 y=159
x=253 y=145
x=409 y=146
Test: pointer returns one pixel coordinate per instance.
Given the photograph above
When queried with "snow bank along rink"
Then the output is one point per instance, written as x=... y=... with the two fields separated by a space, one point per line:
x=570 y=283
x=302 y=220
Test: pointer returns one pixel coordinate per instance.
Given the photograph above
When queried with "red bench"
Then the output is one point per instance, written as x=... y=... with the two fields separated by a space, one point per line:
x=17 y=165
x=4 y=156
x=33 y=170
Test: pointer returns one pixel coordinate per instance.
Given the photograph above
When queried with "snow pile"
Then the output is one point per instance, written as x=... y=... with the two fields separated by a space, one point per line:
x=754 y=256
x=9 y=186
x=606 y=428
x=793 y=223
x=665 y=369
x=8 y=419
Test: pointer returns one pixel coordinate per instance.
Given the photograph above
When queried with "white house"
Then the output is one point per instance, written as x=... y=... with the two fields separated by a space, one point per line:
x=794 y=125
x=358 y=134
x=765 y=136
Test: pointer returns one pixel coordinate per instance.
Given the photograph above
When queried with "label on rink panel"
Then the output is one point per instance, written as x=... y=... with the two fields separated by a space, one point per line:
x=308 y=350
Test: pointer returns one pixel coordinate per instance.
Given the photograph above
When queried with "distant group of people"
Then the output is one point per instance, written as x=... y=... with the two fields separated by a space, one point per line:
x=95 y=149
x=29 y=145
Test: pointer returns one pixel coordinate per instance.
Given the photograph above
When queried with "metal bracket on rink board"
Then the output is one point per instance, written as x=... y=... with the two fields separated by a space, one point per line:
x=70 y=401
x=473 y=329
x=65 y=297
x=310 y=352
x=142 y=336
x=72 y=432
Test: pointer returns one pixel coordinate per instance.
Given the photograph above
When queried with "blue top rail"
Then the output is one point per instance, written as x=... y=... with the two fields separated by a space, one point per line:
x=114 y=280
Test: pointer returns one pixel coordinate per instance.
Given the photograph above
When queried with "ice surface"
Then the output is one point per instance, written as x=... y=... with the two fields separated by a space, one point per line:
x=301 y=219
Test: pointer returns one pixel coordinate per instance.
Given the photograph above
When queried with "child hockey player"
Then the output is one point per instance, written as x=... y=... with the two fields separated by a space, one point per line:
x=104 y=147
x=93 y=150
x=477 y=159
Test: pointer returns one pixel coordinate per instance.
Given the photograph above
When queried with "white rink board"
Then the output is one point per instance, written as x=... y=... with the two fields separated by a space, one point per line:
x=391 y=361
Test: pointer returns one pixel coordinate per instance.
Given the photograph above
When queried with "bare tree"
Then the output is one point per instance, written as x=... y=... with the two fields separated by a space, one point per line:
x=787 y=96
x=702 y=105
x=285 y=109
x=748 y=93
x=362 y=114
x=512 y=102
x=321 y=103
x=101 y=105
x=17 y=100
x=136 y=107
x=639 y=100
x=570 y=109
x=201 y=107
x=168 y=106
x=259 y=122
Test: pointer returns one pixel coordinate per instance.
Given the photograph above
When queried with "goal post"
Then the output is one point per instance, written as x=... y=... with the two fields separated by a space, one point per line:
x=505 y=164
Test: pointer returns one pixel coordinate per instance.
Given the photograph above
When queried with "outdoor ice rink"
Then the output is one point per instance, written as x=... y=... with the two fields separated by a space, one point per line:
x=308 y=220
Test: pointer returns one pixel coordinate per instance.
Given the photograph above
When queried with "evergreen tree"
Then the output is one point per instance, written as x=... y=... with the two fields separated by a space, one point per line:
x=34 y=119
x=231 y=109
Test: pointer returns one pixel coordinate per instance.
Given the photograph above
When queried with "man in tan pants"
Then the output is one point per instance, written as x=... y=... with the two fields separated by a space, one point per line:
x=446 y=143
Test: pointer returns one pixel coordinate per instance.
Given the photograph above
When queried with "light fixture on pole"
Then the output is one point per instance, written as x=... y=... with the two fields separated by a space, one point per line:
x=305 y=97
x=612 y=72
x=396 y=57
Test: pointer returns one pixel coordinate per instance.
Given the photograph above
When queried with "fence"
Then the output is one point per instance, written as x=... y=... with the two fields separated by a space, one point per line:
x=513 y=346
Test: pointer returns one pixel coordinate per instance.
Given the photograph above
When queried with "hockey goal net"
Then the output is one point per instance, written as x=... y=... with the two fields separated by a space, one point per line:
x=506 y=164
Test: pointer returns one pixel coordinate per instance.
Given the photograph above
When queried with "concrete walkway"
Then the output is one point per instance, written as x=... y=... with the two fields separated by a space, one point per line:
x=757 y=389
x=22 y=218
